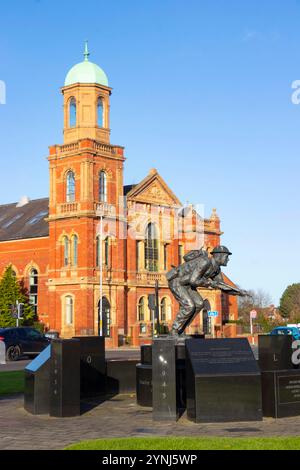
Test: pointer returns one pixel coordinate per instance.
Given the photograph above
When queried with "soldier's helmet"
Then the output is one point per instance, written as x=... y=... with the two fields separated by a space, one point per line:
x=221 y=249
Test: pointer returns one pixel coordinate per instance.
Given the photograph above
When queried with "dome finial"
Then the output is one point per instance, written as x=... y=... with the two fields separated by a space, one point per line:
x=86 y=51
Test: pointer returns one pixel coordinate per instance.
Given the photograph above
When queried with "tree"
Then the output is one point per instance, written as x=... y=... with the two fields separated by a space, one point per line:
x=261 y=302
x=10 y=293
x=290 y=303
x=256 y=300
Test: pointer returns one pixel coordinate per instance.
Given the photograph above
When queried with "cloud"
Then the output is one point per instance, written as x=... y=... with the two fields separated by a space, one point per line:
x=254 y=35
x=250 y=35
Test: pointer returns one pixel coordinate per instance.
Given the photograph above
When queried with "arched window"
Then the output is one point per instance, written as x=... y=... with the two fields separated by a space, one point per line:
x=69 y=310
x=151 y=248
x=70 y=192
x=100 y=112
x=102 y=187
x=105 y=252
x=104 y=319
x=72 y=113
x=74 y=250
x=33 y=289
x=142 y=309
x=142 y=305
x=66 y=251
x=163 y=309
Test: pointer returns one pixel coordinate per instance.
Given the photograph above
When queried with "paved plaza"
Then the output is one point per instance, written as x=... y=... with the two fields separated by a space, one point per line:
x=117 y=417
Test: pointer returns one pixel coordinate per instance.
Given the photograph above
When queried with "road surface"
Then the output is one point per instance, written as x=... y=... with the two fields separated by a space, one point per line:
x=109 y=353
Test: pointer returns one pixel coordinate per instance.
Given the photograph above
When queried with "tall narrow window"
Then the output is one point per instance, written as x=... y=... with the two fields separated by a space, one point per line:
x=33 y=289
x=141 y=309
x=102 y=187
x=180 y=254
x=70 y=192
x=106 y=252
x=151 y=248
x=163 y=309
x=165 y=257
x=74 y=250
x=100 y=112
x=137 y=258
x=66 y=251
x=72 y=113
x=98 y=252
x=69 y=310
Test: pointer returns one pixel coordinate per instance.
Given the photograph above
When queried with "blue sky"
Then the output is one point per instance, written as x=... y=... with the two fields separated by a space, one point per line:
x=201 y=91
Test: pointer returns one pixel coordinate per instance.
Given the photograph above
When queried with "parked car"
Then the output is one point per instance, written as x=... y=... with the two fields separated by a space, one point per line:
x=52 y=334
x=22 y=341
x=286 y=330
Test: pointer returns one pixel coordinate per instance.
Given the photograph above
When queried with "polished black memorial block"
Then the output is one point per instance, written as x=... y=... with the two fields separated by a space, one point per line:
x=146 y=354
x=120 y=376
x=164 y=379
x=275 y=352
x=92 y=365
x=37 y=379
x=144 y=376
x=65 y=378
x=223 y=382
x=281 y=393
x=144 y=384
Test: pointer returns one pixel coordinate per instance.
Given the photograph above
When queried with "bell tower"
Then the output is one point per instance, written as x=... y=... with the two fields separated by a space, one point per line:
x=86 y=102
x=86 y=179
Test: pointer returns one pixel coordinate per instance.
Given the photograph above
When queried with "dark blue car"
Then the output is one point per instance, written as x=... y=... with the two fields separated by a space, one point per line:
x=286 y=330
x=22 y=341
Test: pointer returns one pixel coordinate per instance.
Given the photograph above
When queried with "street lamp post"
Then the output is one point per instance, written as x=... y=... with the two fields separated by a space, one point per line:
x=100 y=213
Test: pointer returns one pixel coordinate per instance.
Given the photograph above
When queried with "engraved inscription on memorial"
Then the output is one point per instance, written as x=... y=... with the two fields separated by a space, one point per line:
x=164 y=376
x=288 y=389
x=222 y=356
x=164 y=379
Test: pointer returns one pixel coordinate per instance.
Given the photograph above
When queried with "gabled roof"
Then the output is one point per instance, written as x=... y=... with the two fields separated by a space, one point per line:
x=127 y=188
x=154 y=190
x=24 y=222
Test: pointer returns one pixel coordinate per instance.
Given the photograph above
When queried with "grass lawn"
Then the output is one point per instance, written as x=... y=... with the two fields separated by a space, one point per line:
x=11 y=382
x=190 y=443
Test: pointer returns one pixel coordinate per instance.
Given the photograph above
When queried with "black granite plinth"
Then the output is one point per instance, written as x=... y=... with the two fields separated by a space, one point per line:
x=92 y=365
x=275 y=352
x=144 y=384
x=164 y=379
x=120 y=376
x=65 y=378
x=223 y=382
x=144 y=376
x=146 y=354
x=281 y=393
x=37 y=379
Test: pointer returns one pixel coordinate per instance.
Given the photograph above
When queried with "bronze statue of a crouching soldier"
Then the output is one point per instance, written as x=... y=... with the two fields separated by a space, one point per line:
x=198 y=270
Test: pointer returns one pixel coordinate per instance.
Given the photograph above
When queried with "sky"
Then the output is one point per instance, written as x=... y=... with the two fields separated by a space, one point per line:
x=202 y=91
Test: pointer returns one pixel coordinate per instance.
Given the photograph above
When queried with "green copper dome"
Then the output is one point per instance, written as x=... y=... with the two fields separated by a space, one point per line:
x=86 y=72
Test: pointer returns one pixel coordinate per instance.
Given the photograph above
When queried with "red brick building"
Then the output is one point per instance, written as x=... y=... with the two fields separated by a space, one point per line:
x=91 y=220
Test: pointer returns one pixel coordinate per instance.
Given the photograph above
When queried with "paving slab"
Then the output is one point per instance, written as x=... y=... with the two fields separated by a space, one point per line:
x=118 y=417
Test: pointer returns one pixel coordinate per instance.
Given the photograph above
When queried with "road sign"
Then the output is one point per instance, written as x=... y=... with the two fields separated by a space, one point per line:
x=212 y=313
x=253 y=314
